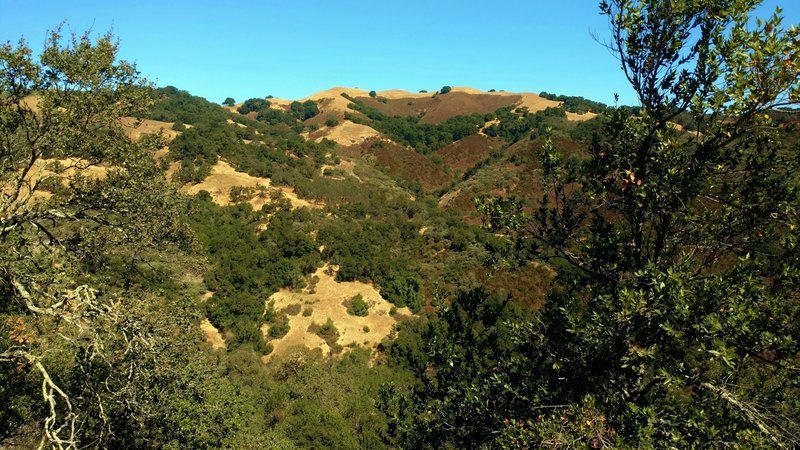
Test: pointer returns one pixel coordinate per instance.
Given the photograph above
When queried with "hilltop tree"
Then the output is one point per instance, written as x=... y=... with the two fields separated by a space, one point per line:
x=229 y=101
x=445 y=89
x=258 y=105
x=74 y=351
x=674 y=318
x=304 y=110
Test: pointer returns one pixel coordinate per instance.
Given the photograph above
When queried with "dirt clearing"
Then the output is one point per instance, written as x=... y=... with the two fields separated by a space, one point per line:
x=213 y=336
x=575 y=117
x=324 y=301
x=134 y=128
x=346 y=133
x=224 y=177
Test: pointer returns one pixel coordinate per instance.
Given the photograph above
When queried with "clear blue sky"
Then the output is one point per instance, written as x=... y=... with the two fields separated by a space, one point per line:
x=292 y=48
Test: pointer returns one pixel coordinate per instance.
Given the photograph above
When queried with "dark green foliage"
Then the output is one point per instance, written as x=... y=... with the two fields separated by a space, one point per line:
x=472 y=339
x=402 y=289
x=326 y=404
x=361 y=249
x=516 y=125
x=84 y=328
x=329 y=333
x=424 y=138
x=673 y=321
x=312 y=426
x=358 y=307
x=211 y=136
x=304 y=110
x=445 y=89
x=575 y=104
x=293 y=310
x=328 y=329
x=279 y=328
x=174 y=105
x=270 y=156
x=588 y=130
x=373 y=94
x=258 y=105
x=229 y=101
x=197 y=149
x=246 y=266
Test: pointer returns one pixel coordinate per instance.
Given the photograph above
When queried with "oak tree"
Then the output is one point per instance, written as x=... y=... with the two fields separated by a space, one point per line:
x=673 y=321
x=80 y=207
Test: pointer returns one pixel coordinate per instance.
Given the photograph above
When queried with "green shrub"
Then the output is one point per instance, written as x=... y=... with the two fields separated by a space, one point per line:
x=304 y=110
x=402 y=289
x=279 y=328
x=253 y=104
x=260 y=345
x=328 y=332
x=328 y=329
x=358 y=307
x=293 y=309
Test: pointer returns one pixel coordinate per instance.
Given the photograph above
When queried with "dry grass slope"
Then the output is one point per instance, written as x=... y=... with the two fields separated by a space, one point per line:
x=223 y=177
x=326 y=302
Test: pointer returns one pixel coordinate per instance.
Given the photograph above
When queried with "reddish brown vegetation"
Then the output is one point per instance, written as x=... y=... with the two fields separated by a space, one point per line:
x=398 y=107
x=401 y=162
x=442 y=107
x=527 y=285
x=468 y=152
x=453 y=104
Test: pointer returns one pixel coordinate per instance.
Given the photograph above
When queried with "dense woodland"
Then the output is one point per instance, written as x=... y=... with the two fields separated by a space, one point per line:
x=628 y=281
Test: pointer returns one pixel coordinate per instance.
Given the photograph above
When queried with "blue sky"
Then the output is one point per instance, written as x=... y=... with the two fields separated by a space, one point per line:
x=293 y=48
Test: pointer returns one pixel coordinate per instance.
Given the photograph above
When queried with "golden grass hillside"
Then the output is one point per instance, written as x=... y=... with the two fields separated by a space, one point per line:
x=325 y=300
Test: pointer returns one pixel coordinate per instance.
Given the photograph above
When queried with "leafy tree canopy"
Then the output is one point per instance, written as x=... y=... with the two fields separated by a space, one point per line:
x=673 y=321
x=75 y=348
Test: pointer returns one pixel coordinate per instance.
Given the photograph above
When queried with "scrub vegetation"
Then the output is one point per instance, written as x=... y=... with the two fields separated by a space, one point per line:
x=579 y=275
